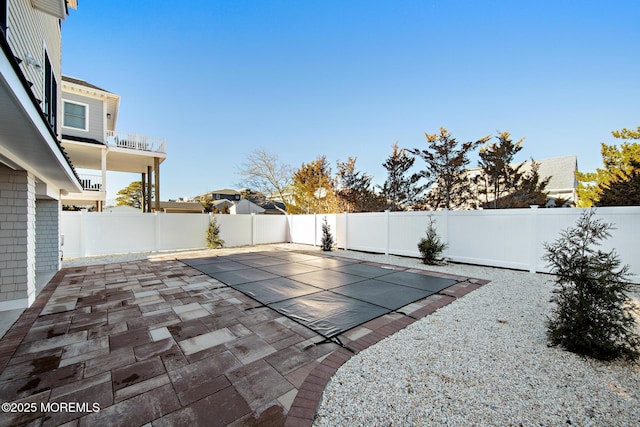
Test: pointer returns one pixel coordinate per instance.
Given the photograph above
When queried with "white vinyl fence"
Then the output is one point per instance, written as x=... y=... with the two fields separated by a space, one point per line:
x=511 y=238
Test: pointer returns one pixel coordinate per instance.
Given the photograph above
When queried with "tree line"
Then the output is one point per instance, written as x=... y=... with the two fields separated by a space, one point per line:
x=445 y=180
x=443 y=183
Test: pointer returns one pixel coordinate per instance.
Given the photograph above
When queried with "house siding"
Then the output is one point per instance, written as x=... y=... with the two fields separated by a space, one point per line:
x=30 y=190
x=47 y=235
x=17 y=238
x=30 y=31
x=96 y=117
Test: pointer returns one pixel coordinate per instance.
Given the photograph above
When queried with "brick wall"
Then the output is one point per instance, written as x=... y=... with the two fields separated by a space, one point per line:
x=17 y=238
x=47 y=235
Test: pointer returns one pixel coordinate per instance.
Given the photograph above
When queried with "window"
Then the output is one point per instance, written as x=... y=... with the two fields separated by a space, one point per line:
x=50 y=94
x=75 y=115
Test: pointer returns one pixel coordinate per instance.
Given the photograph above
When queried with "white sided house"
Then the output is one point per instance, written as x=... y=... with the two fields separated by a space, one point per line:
x=35 y=172
x=561 y=172
x=89 y=115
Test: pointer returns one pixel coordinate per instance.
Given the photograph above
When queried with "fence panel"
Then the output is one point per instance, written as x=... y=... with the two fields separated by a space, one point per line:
x=117 y=233
x=235 y=230
x=367 y=232
x=302 y=229
x=182 y=231
x=407 y=228
x=269 y=229
x=512 y=238
x=71 y=231
x=498 y=238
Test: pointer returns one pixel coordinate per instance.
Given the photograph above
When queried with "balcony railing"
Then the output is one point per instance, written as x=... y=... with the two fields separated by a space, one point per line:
x=91 y=182
x=136 y=142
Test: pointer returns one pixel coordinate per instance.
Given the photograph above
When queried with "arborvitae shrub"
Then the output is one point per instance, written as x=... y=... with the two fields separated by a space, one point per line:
x=592 y=314
x=213 y=235
x=327 y=238
x=431 y=247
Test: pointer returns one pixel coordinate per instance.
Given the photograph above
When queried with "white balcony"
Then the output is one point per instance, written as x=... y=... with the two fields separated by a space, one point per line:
x=91 y=182
x=136 y=142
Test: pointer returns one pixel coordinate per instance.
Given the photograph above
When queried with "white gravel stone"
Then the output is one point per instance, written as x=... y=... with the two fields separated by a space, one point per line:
x=482 y=360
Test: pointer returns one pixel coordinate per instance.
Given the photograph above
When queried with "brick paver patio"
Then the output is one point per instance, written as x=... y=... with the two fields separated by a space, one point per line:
x=157 y=342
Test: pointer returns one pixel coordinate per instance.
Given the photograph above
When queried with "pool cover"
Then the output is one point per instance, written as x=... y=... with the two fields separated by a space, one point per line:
x=326 y=294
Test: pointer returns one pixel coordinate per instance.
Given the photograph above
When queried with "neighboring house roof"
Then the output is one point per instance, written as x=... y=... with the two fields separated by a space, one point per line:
x=82 y=83
x=182 y=207
x=562 y=171
x=270 y=207
x=226 y=191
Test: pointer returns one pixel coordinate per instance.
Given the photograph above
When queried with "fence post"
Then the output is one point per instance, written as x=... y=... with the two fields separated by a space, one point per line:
x=445 y=232
x=533 y=238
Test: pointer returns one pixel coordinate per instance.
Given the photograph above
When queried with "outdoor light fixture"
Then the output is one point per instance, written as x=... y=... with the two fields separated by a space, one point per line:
x=30 y=60
x=108 y=116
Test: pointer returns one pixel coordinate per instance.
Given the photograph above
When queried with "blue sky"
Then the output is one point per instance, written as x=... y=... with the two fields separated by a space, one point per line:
x=219 y=79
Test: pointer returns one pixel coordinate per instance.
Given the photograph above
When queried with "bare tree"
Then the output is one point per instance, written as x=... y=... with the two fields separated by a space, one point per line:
x=262 y=171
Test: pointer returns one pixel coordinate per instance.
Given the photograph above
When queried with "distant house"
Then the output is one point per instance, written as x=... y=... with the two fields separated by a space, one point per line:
x=35 y=172
x=89 y=115
x=221 y=206
x=226 y=194
x=561 y=171
x=245 y=206
x=233 y=202
x=181 y=207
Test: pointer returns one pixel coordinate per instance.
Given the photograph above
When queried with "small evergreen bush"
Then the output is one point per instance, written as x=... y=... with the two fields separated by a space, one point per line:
x=213 y=235
x=592 y=315
x=327 y=238
x=431 y=247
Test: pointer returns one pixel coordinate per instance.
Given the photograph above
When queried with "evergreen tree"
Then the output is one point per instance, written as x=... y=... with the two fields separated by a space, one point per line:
x=592 y=316
x=354 y=189
x=446 y=161
x=213 y=235
x=400 y=190
x=624 y=190
x=496 y=162
x=431 y=246
x=327 y=238
x=620 y=164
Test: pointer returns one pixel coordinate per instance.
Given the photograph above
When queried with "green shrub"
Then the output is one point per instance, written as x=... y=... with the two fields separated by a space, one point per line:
x=592 y=315
x=213 y=235
x=327 y=239
x=431 y=247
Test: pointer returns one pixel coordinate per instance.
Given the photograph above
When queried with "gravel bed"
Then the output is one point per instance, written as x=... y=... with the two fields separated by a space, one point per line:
x=482 y=360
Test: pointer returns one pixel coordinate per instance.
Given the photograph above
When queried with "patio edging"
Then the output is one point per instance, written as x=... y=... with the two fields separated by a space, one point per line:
x=305 y=404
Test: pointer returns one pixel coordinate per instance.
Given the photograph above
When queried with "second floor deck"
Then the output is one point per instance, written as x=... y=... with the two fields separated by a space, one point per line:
x=135 y=142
